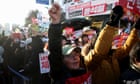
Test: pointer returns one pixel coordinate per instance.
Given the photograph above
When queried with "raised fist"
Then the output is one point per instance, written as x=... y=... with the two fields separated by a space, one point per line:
x=116 y=14
x=55 y=13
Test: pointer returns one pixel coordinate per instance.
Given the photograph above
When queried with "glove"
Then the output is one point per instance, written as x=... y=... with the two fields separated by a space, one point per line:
x=116 y=14
x=137 y=24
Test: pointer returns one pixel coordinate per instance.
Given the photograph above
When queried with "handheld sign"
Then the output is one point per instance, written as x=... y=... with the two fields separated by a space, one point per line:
x=44 y=62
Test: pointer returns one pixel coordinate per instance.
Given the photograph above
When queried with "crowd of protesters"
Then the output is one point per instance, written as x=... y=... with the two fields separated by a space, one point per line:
x=82 y=60
x=22 y=56
x=101 y=63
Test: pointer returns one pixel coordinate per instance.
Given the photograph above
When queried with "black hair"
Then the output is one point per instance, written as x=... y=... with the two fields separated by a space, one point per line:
x=124 y=23
x=37 y=43
x=135 y=53
x=77 y=49
x=82 y=37
x=63 y=37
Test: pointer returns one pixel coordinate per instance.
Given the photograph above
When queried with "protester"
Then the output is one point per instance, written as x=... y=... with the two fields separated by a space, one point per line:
x=64 y=41
x=31 y=68
x=62 y=66
x=55 y=43
x=2 y=77
x=132 y=75
x=9 y=53
x=20 y=60
x=104 y=60
x=1 y=52
x=85 y=39
x=73 y=63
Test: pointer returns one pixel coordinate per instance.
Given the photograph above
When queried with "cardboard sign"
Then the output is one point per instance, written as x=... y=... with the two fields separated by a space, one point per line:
x=44 y=62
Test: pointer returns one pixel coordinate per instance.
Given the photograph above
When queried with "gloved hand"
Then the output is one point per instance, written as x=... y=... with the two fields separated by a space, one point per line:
x=137 y=24
x=116 y=14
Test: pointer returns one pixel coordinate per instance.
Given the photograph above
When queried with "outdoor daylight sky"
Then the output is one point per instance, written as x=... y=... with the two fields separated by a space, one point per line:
x=15 y=11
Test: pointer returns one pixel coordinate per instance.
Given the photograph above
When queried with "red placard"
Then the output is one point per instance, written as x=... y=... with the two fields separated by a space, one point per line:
x=44 y=62
x=69 y=30
x=76 y=0
x=16 y=35
x=132 y=5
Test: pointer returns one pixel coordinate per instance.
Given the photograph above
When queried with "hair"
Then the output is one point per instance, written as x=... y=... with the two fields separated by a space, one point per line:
x=124 y=23
x=77 y=49
x=135 y=53
x=37 y=43
x=82 y=37
x=82 y=63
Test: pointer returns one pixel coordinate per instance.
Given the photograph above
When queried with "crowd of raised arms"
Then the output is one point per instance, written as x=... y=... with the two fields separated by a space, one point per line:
x=84 y=59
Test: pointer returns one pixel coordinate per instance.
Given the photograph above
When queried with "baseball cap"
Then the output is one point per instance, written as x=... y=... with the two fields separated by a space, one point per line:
x=68 y=49
x=87 y=28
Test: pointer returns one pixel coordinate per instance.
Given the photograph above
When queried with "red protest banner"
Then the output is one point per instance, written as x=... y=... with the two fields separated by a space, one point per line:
x=132 y=5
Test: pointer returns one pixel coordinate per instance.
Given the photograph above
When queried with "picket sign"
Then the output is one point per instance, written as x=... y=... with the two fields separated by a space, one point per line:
x=44 y=62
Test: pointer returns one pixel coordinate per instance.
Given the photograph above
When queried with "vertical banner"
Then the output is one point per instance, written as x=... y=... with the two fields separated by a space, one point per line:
x=45 y=2
x=44 y=62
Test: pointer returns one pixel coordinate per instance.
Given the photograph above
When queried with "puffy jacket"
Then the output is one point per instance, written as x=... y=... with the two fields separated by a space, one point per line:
x=103 y=64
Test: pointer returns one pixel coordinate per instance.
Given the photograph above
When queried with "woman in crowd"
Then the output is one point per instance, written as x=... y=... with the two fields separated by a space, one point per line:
x=65 y=62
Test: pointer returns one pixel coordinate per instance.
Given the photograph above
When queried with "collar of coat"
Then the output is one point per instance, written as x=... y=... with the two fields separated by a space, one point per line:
x=135 y=67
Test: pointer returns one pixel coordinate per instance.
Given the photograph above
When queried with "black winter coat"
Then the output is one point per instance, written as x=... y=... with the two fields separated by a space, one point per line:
x=131 y=76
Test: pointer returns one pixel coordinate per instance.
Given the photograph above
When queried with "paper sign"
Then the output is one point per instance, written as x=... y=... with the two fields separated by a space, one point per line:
x=44 y=62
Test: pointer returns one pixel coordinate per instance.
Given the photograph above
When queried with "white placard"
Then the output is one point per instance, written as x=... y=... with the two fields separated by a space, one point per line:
x=44 y=62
